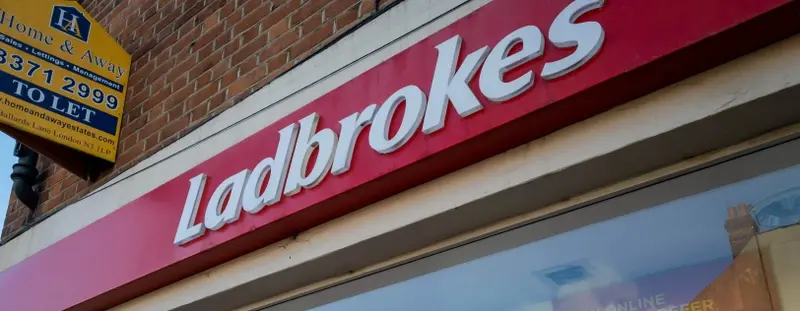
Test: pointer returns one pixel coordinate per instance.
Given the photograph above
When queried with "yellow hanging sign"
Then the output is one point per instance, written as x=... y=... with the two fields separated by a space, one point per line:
x=62 y=76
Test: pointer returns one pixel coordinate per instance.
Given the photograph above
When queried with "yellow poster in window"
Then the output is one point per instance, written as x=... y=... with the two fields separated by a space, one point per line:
x=62 y=76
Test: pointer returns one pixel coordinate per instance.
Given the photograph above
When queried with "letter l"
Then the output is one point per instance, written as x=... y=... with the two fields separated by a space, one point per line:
x=187 y=229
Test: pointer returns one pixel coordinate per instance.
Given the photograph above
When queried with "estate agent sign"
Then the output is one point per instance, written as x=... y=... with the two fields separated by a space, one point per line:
x=62 y=77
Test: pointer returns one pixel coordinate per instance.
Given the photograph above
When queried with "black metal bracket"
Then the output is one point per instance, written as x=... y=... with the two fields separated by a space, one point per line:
x=26 y=176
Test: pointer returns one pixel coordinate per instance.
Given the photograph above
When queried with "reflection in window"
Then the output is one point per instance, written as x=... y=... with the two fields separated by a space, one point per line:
x=780 y=210
x=7 y=159
x=696 y=253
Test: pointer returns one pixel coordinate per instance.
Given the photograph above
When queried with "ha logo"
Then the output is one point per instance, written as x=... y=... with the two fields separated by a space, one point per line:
x=71 y=21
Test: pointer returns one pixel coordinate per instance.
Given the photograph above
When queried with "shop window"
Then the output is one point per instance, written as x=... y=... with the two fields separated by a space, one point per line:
x=725 y=238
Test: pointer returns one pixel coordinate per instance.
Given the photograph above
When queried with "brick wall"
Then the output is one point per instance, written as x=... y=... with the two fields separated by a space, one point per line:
x=192 y=59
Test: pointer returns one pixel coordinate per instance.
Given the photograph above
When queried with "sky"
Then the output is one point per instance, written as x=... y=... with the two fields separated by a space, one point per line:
x=6 y=160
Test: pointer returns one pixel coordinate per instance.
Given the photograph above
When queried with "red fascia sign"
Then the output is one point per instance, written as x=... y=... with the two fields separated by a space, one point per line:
x=508 y=73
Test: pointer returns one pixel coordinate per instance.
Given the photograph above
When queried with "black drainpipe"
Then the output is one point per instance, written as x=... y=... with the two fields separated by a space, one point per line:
x=25 y=176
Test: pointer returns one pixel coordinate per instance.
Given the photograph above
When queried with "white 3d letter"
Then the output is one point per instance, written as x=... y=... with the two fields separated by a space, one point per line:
x=351 y=127
x=218 y=215
x=252 y=198
x=187 y=229
x=307 y=140
x=415 y=108
x=588 y=36
x=450 y=82
x=499 y=62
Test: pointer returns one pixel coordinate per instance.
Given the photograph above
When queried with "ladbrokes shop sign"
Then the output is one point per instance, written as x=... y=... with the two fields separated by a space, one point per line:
x=62 y=77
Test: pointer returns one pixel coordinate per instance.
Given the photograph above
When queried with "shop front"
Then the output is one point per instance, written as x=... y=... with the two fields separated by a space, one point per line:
x=560 y=155
x=689 y=243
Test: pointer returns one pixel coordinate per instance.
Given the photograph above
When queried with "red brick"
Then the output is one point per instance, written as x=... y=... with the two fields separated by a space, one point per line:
x=182 y=53
x=82 y=192
x=136 y=99
x=246 y=80
x=220 y=68
x=280 y=13
x=181 y=68
x=174 y=127
x=178 y=96
x=116 y=25
x=228 y=8
x=277 y=61
x=190 y=9
x=137 y=147
x=230 y=48
x=223 y=39
x=205 y=65
x=160 y=70
x=128 y=156
x=156 y=99
x=131 y=127
x=260 y=84
x=175 y=111
x=187 y=38
x=156 y=111
x=211 y=21
x=308 y=9
x=151 y=141
x=208 y=36
x=147 y=14
x=229 y=77
x=308 y=25
x=179 y=82
x=251 y=18
x=248 y=64
x=58 y=175
x=234 y=18
x=278 y=45
x=337 y=7
x=205 y=52
x=250 y=48
x=211 y=9
x=384 y=3
x=248 y=5
x=249 y=34
x=345 y=20
x=217 y=99
x=203 y=80
x=55 y=188
x=153 y=125
x=162 y=37
x=51 y=203
x=131 y=113
x=201 y=96
x=141 y=69
x=278 y=29
x=129 y=142
x=187 y=27
x=199 y=112
x=276 y=72
x=311 y=40
x=367 y=7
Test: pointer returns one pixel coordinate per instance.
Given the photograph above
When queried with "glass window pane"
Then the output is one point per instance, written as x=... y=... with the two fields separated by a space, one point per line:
x=697 y=253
